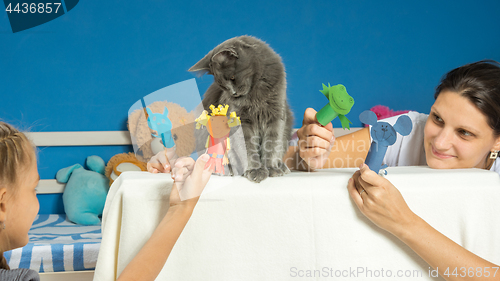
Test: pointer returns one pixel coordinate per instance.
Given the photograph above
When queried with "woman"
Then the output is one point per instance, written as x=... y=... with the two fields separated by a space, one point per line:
x=462 y=131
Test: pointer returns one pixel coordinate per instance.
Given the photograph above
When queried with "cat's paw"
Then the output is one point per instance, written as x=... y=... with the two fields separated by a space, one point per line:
x=256 y=175
x=279 y=171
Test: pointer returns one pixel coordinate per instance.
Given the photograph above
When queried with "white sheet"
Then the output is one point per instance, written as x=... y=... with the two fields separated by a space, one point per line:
x=298 y=225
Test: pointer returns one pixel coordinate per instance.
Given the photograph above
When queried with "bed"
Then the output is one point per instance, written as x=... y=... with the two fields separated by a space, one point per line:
x=58 y=245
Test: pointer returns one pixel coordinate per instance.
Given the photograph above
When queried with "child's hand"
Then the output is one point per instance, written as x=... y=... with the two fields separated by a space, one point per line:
x=315 y=141
x=190 y=178
x=160 y=163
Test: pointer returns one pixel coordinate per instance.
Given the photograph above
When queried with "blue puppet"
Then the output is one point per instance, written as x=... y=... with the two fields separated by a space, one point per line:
x=162 y=125
x=383 y=135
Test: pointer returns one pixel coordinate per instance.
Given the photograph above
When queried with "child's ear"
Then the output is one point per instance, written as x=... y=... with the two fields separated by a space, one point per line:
x=3 y=201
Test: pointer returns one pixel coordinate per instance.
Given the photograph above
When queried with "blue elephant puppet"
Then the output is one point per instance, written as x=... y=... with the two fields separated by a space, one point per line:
x=383 y=135
x=162 y=125
x=85 y=192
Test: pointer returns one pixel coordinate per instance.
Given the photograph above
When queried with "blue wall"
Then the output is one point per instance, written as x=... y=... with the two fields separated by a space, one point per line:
x=84 y=70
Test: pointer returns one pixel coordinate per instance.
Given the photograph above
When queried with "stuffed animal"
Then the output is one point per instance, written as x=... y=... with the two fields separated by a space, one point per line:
x=85 y=192
x=383 y=135
x=121 y=163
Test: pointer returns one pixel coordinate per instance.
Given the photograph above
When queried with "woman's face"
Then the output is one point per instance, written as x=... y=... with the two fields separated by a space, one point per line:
x=21 y=208
x=457 y=134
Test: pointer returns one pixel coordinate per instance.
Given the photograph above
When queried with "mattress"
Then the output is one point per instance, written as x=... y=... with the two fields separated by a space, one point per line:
x=56 y=245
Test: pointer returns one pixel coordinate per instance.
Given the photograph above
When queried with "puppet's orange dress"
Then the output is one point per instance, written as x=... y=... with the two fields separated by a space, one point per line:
x=216 y=148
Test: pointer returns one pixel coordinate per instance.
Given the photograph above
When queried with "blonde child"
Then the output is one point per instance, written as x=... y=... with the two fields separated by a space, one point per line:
x=18 y=201
x=19 y=207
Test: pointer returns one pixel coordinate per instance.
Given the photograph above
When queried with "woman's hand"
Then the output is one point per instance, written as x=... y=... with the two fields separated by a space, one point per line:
x=190 y=178
x=315 y=140
x=380 y=201
x=160 y=163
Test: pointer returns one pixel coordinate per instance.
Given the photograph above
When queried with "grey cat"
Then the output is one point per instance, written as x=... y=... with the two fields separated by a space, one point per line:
x=250 y=77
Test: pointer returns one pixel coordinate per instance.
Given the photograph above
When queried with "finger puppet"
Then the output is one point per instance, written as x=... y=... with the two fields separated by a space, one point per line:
x=182 y=129
x=383 y=135
x=162 y=125
x=85 y=192
x=339 y=104
x=219 y=127
x=250 y=77
x=383 y=112
x=121 y=163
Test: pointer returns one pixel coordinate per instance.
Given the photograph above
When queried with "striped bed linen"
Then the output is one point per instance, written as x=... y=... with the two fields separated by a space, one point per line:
x=56 y=245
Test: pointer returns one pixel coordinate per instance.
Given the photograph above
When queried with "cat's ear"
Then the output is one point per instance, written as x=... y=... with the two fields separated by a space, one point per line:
x=247 y=41
x=225 y=55
x=203 y=66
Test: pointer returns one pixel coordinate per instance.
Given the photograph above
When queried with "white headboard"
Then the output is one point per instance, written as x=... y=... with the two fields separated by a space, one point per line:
x=90 y=138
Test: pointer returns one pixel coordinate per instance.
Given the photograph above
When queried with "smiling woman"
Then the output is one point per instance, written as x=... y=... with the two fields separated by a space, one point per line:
x=475 y=118
x=462 y=131
x=457 y=134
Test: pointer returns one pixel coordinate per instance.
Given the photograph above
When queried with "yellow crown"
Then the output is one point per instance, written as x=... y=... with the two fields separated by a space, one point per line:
x=220 y=110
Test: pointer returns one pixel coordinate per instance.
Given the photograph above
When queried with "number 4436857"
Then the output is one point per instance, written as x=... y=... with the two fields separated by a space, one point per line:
x=33 y=8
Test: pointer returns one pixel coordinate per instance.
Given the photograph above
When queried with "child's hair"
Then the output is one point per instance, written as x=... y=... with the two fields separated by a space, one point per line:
x=16 y=153
x=479 y=82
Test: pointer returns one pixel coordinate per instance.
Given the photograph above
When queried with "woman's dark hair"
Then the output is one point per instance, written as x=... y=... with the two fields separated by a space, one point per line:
x=479 y=82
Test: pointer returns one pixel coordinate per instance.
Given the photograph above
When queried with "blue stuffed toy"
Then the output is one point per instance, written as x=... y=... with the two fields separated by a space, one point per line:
x=383 y=135
x=85 y=192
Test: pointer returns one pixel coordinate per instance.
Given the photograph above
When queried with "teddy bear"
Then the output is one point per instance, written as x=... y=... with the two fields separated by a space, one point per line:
x=182 y=133
x=85 y=192
x=121 y=163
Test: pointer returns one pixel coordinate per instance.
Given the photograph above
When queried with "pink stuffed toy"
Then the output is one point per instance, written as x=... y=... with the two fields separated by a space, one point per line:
x=383 y=112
